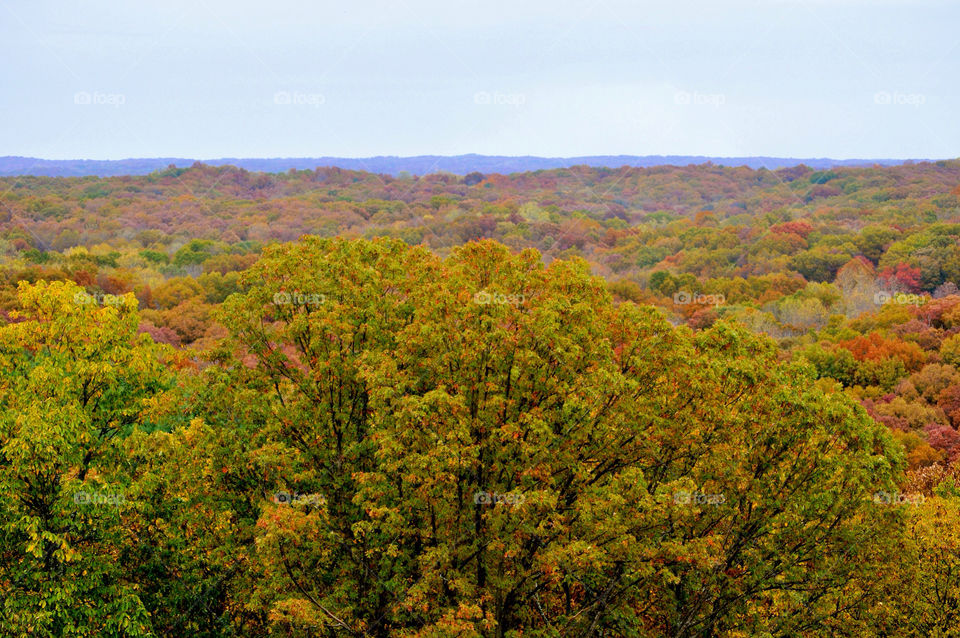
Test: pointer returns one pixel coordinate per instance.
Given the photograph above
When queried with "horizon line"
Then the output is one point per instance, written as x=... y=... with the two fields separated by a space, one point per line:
x=480 y=155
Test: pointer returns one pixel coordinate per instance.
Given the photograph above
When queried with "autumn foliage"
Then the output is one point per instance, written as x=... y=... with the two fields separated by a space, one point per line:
x=695 y=401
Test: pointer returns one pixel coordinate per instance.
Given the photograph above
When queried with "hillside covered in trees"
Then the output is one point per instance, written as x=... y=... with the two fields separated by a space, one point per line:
x=669 y=401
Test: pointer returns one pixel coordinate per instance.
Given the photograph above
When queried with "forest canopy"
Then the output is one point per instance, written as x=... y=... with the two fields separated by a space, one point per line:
x=692 y=401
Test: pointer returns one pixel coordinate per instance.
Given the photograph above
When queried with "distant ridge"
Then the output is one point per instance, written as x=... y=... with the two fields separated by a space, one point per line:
x=418 y=165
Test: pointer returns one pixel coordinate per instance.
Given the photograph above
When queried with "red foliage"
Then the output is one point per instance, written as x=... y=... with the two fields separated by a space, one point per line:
x=158 y=334
x=933 y=311
x=112 y=285
x=892 y=422
x=799 y=227
x=703 y=318
x=83 y=278
x=949 y=402
x=903 y=277
x=944 y=438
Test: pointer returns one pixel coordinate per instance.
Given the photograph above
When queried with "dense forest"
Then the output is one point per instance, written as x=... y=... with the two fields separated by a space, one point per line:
x=669 y=401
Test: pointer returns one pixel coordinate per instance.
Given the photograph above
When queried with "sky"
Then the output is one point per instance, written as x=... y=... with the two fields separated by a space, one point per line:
x=207 y=79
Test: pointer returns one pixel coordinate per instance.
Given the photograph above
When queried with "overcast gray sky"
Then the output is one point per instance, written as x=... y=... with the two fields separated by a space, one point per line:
x=211 y=78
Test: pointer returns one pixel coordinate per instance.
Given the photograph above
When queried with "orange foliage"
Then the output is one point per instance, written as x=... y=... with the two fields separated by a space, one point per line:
x=876 y=347
x=799 y=227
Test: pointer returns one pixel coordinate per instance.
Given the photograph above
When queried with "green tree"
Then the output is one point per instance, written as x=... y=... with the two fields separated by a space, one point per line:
x=494 y=447
x=75 y=379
